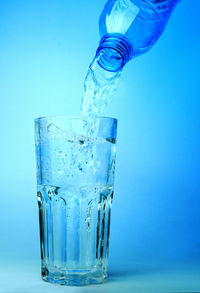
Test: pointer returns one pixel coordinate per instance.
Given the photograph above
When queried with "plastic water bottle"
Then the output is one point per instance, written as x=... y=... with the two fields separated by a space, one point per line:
x=129 y=28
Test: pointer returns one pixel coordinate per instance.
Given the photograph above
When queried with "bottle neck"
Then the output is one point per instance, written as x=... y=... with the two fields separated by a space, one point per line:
x=114 y=52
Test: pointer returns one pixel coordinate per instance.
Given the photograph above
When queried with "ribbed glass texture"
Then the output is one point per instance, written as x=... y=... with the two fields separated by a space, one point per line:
x=75 y=175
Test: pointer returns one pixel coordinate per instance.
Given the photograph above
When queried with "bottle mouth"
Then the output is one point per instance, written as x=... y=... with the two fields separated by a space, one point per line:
x=113 y=52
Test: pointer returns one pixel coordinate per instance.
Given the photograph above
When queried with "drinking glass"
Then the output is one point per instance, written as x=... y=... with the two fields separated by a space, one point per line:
x=75 y=176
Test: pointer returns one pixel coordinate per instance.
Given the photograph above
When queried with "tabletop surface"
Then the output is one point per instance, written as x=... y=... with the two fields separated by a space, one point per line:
x=24 y=277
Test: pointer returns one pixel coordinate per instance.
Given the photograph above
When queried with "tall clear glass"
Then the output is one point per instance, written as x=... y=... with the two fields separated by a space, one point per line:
x=75 y=175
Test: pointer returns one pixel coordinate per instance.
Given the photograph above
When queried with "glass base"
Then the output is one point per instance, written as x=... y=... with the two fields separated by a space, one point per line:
x=74 y=277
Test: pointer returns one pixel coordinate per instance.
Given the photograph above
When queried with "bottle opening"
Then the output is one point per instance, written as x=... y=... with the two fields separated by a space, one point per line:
x=113 y=52
x=110 y=60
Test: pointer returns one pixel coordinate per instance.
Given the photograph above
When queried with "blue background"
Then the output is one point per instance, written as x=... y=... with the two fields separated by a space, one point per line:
x=45 y=50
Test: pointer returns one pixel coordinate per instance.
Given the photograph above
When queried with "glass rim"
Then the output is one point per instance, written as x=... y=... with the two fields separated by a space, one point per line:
x=74 y=117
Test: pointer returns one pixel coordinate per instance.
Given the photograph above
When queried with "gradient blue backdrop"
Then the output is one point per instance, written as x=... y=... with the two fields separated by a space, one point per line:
x=45 y=50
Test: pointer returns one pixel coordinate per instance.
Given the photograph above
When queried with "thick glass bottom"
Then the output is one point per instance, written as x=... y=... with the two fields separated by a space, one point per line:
x=74 y=277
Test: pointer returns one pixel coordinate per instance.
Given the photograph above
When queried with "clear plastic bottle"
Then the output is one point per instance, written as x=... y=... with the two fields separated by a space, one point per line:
x=129 y=28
